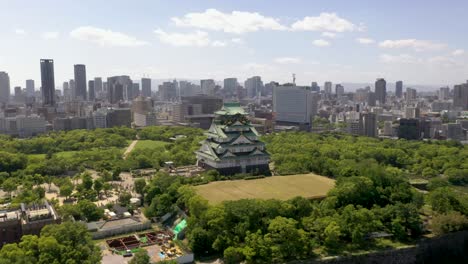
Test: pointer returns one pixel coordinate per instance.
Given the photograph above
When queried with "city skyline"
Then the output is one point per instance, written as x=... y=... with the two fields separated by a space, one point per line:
x=320 y=41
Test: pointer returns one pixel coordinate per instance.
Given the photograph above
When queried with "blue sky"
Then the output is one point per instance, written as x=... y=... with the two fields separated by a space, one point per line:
x=420 y=42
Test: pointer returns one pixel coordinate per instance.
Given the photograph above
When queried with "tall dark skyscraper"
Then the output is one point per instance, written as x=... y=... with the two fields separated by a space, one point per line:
x=4 y=87
x=91 y=90
x=381 y=90
x=146 y=87
x=80 y=82
x=47 y=82
x=399 y=89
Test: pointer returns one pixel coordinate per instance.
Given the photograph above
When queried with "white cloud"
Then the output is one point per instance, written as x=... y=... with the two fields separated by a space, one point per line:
x=235 y=22
x=458 y=52
x=330 y=22
x=329 y=35
x=443 y=61
x=50 y=35
x=365 y=41
x=237 y=40
x=105 y=38
x=20 y=31
x=321 y=43
x=288 y=60
x=417 y=45
x=193 y=39
x=402 y=58
x=218 y=43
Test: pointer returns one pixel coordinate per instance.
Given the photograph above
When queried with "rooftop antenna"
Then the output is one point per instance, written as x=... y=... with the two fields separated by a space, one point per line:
x=294 y=78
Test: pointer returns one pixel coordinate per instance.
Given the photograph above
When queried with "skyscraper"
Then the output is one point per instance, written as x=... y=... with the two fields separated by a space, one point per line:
x=92 y=94
x=146 y=87
x=460 y=96
x=4 y=87
x=98 y=87
x=47 y=82
x=136 y=90
x=328 y=87
x=30 y=89
x=339 y=90
x=230 y=86
x=208 y=86
x=80 y=82
x=254 y=86
x=410 y=94
x=116 y=86
x=381 y=90
x=399 y=89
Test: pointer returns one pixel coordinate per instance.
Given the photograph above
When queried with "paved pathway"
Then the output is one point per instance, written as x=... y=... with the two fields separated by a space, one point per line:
x=130 y=148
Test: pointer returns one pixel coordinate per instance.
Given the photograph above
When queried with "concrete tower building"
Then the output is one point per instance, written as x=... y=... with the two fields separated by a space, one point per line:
x=80 y=82
x=4 y=87
x=399 y=89
x=381 y=91
x=30 y=89
x=146 y=87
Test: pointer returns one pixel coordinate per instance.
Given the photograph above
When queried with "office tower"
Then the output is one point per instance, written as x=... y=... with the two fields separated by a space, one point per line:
x=295 y=105
x=380 y=90
x=369 y=124
x=116 y=86
x=268 y=89
x=30 y=89
x=72 y=88
x=47 y=82
x=4 y=87
x=371 y=99
x=412 y=112
x=168 y=91
x=399 y=89
x=208 y=86
x=136 y=90
x=80 y=82
x=460 y=96
x=66 y=91
x=314 y=87
x=254 y=86
x=187 y=88
x=98 y=87
x=410 y=94
x=409 y=129
x=444 y=93
x=327 y=87
x=230 y=86
x=128 y=90
x=146 y=87
x=339 y=90
x=91 y=90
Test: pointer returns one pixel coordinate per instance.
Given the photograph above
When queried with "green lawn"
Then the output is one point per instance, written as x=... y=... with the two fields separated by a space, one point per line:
x=150 y=144
x=66 y=154
x=276 y=187
x=36 y=156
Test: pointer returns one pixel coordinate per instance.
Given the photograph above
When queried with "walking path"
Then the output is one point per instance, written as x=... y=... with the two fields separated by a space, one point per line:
x=130 y=148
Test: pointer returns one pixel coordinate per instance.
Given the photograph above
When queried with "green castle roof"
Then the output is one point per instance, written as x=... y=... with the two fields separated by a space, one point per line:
x=231 y=109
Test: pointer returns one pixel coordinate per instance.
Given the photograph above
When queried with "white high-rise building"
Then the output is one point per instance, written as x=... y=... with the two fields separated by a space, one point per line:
x=294 y=104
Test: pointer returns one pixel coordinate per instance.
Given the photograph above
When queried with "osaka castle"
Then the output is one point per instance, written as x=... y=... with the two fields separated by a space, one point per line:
x=232 y=145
